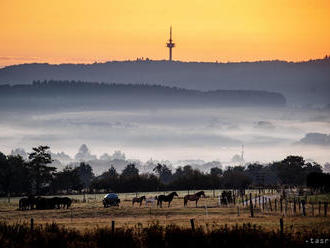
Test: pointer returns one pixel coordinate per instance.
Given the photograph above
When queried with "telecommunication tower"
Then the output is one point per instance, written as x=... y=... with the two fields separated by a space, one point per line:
x=242 y=156
x=170 y=44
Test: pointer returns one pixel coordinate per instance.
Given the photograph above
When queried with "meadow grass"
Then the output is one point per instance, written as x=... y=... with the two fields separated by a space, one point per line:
x=92 y=214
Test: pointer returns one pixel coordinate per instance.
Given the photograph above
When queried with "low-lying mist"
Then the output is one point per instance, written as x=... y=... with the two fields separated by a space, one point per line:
x=206 y=134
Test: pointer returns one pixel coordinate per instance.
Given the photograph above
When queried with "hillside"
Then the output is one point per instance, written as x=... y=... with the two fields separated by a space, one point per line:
x=301 y=83
x=69 y=94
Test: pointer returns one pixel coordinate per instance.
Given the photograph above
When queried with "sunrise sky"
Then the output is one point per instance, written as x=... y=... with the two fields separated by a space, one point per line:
x=85 y=31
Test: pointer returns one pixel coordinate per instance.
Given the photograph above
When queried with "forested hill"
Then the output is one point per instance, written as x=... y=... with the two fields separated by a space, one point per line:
x=71 y=94
x=301 y=83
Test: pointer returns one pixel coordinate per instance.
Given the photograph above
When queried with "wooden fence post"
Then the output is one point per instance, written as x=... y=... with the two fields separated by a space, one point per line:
x=263 y=203
x=31 y=224
x=113 y=226
x=303 y=207
x=251 y=206
x=325 y=209
x=286 y=206
x=259 y=200
x=275 y=205
x=255 y=201
x=192 y=223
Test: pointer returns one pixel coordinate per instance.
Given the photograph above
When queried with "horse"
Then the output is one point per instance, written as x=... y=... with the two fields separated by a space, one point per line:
x=194 y=197
x=138 y=199
x=27 y=203
x=66 y=201
x=166 y=198
x=151 y=200
x=23 y=203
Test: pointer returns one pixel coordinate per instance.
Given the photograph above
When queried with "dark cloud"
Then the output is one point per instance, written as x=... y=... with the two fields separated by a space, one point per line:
x=316 y=139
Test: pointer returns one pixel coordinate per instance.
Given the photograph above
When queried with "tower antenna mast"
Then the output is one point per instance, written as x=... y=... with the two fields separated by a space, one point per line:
x=170 y=45
x=242 y=155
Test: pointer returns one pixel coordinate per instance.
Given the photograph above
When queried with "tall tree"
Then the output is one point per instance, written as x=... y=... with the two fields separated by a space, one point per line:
x=164 y=173
x=6 y=174
x=130 y=171
x=41 y=173
x=68 y=180
x=85 y=173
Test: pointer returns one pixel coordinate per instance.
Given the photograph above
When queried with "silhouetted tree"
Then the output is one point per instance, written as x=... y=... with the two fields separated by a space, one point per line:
x=215 y=171
x=164 y=173
x=39 y=171
x=236 y=178
x=85 y=173
x=130 y=171
x=68 y=180
x=293 y=170
x=319 y=181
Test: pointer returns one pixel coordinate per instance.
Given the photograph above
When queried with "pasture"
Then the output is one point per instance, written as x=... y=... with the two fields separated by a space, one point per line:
x=87 y=212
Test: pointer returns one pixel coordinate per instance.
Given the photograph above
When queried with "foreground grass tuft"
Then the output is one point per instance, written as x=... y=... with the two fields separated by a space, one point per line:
x=52 y=235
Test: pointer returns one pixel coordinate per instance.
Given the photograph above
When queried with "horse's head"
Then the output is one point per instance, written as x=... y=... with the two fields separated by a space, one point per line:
x=175 y=194
x=202 y=194
x=143 y=198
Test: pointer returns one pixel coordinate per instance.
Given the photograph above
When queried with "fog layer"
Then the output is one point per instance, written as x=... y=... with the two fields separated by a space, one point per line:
x=173 y=134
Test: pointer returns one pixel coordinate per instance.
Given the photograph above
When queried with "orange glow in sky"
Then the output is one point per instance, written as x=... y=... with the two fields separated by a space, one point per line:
x=59 y=31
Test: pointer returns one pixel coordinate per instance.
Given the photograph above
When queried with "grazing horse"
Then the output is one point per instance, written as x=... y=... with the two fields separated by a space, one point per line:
x=151 y=200
x=66 y=201
x=23 y=203
x=27 y=203
x=166 y=198
x=138 y=199
x=194 y=197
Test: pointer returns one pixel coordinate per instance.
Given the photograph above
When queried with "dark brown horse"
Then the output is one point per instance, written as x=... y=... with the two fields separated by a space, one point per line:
x=194 y=197
x=138 y=199
x=165 y=198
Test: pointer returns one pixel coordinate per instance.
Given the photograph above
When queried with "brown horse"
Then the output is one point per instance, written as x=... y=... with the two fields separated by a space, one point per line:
x=138 y=199
x=166 y=198
x=194 y=197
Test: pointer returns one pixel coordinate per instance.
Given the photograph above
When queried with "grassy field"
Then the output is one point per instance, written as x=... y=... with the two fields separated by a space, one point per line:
x=92 y=214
